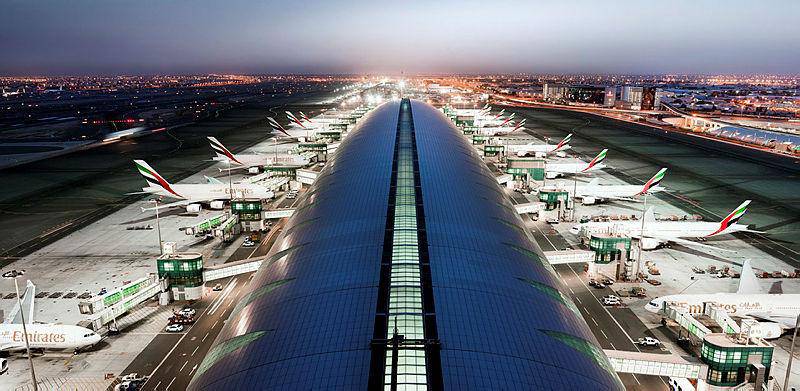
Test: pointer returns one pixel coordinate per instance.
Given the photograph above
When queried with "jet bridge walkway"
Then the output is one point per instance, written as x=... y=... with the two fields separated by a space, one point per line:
x=656 y=364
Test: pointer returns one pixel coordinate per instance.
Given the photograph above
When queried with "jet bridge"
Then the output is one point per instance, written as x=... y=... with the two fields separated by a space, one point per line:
x=124 y=299
x=687 y=321
x=656 y=364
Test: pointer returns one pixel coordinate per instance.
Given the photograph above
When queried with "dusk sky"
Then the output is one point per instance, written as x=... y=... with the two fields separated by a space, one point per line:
x=182 y=36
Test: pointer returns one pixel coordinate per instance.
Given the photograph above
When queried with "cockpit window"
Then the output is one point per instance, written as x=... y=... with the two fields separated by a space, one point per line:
x=653 y=303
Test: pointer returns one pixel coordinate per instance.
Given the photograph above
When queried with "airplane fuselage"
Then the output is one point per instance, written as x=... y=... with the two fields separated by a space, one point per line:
x=612 y=191
x=202 y=192
x=674 y=229
x=46 y=336
x=571 y=168
x=778 y=305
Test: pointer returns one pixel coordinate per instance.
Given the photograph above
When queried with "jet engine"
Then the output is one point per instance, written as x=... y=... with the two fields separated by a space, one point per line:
x=217 y=205
x=194 y=208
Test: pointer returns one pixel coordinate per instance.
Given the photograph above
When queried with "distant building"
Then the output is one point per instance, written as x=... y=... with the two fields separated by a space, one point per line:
x=633 y=96
x=586 y=94
x=554 y=92
x=610 y=96
x=648 y=98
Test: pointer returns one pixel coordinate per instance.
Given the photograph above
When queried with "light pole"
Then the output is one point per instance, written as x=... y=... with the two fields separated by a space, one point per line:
x=230 y=182
x=641 y=239
x=158 y=226
x=13 y=275
x=791 y=354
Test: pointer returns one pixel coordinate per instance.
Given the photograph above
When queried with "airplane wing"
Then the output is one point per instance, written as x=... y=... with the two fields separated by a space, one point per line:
x=257 y=178
x=172 y=205
x=787 y=322
x=688 y=243
x=212 y=180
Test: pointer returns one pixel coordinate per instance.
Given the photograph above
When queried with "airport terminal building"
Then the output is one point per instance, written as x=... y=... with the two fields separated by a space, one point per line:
x=405 y=267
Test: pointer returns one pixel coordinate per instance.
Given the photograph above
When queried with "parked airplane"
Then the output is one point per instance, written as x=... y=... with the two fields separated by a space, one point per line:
x=251 y=162
x=555 y=170
x=539 y=150
x=277 y=126
x=41 y=335
x=657 y=232
x=776 y=312
x=595 y=192
x=214 y=193
x=6 y=94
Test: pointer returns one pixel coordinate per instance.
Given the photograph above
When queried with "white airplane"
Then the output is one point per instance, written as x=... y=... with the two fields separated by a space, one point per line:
x=6 y=94
x=657 y=233
x=555 y=170
x=214 y=193
x=251 y=162
x=540 y=150
x=41 y=335
x=595 y=192
x=304 y=122
x=776 y=312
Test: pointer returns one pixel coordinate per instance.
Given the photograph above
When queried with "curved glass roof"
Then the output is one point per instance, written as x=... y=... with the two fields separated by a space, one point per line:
x=502 y=318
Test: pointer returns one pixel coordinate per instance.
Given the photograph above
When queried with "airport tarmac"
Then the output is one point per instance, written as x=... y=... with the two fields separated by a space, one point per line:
x=699 y=183
x=46 y=200
x=105 y=254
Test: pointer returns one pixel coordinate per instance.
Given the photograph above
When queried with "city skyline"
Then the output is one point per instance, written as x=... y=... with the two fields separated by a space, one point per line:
x=579 y=37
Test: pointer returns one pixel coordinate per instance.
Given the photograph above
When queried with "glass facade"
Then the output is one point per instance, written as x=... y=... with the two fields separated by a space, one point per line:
x=183 y=271
x=248 y=210
x=728 y=365
x=501 y=320
x=608 y=249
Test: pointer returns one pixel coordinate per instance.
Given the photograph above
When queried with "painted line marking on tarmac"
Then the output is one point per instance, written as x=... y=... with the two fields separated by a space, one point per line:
x=156 y=387
x=604 y=334
x=193 y=368
x=612 y=345
x=636 y=378
x=195 y=350
x=170 y=383
x=183 y=366
x=595 y=322
x=204 y=338
x=225 y=292
x=605 y=309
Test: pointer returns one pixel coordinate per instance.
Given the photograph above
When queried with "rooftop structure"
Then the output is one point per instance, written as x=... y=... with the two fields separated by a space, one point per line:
x=405 y=266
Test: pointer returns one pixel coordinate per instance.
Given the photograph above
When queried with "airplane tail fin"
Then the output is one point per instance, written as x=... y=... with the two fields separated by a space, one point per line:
x=153 y=178
x=305 y=117
x=275 y=125
x=221 y=150
x=27 y=308
x=748 y=283
x=597 y=159
x=654 y=181
x=732 y=218
x=563 y=142
x=294 y=119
